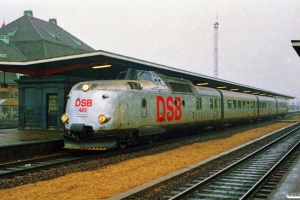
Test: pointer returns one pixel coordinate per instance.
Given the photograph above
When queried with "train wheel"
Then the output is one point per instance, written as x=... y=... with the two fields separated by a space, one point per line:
x=123 y=145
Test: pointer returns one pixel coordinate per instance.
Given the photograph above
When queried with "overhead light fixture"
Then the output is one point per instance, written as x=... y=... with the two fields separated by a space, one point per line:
x=222 y=87
x=270 y=95
x=246 y=91
x=255 y=93
x=262 y=94
x=101 y=66
x=202 y=84
x=234 y=89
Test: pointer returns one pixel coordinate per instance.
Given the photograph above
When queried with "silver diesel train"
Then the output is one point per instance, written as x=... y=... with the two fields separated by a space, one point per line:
x=141 y=105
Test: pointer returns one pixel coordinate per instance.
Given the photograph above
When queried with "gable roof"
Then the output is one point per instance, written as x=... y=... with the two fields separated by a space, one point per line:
x=39 y=39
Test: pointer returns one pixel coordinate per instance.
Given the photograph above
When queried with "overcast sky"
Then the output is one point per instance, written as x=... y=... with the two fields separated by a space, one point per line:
x=254 y=36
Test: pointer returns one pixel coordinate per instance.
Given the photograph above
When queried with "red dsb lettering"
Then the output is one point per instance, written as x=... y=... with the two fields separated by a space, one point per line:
x=84 y=102
x=169 y=108
x=160 y=116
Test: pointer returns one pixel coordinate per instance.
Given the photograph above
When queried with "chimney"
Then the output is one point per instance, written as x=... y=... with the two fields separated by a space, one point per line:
x=53 y=21
x=28 y=13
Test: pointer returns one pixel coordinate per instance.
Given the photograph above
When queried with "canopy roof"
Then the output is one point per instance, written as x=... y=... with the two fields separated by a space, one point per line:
x=111 y=64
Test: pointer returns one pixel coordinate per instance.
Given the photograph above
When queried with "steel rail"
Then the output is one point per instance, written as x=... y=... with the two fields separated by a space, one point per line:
x=194 y=188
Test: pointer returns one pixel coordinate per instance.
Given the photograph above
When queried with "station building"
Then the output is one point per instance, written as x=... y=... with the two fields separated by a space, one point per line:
x=40 y=98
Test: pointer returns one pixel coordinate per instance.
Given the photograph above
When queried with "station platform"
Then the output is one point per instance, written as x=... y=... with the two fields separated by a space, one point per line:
x=18 y=144
x=11 y=137
x=289 y=186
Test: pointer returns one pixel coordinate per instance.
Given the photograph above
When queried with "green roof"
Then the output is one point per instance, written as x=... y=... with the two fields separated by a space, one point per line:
x=30 y=38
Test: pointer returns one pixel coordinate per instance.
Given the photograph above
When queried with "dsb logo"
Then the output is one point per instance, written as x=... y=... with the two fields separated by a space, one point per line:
x=169 y=108
x=83 y=102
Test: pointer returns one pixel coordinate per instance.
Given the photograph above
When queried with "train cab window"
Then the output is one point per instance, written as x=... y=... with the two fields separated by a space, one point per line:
x=142 y=75
x=211 y=104
x=234 y=104
x=239 y=104
x=219 y=103
x=251 y=104
x=247 y=104
x=229 y=104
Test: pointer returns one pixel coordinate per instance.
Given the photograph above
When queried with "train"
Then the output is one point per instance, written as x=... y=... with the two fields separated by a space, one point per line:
x=143 y=105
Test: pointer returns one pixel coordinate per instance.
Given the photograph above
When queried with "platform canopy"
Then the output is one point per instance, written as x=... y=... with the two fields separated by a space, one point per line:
x=296 y=45
x=105 y=65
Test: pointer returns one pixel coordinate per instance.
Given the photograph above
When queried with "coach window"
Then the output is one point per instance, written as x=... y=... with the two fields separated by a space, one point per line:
x=211 y=104
x=234 y=104
x=239 y=104
x=244 y=104
x=229 y=104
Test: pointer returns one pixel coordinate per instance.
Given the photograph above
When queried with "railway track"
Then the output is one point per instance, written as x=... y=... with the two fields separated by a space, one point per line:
x=243 y=179
x=23 y=167
x=174 y=184
x=17 y=168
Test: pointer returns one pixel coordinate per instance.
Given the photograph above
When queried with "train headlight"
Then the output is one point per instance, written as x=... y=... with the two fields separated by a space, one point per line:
x=64 y=118
x=85 y=87
x=104 y=118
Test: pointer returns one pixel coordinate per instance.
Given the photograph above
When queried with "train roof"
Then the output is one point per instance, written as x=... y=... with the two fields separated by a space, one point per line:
x=111 y=64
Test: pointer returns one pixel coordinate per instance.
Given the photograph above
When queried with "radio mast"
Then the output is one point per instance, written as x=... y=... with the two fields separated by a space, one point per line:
x=216 y=25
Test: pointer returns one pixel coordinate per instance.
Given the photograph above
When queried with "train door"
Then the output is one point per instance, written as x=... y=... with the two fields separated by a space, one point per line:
x=52 y=110
x=217 y=106
x=198 y=109
x=254 y=108
x=124 y=107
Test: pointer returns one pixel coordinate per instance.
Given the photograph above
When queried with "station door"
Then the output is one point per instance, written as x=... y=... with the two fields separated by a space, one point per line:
x=52 y=110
